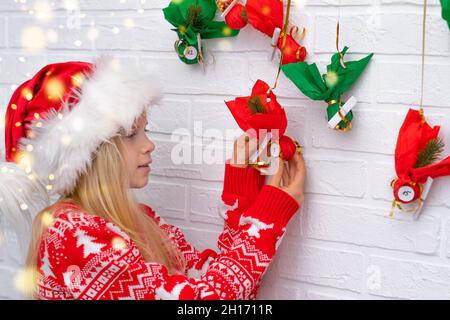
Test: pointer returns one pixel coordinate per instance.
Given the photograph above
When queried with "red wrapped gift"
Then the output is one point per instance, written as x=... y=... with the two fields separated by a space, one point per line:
x=414 y=158
x=265 y=15
x=260 y=113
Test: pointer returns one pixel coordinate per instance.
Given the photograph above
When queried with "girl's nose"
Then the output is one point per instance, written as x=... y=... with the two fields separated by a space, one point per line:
x=149 y=146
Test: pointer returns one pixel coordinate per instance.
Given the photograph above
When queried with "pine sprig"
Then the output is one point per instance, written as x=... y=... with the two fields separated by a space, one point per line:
x=430 y=153
x=255 y=105
x=244 y=15
x=193 y=15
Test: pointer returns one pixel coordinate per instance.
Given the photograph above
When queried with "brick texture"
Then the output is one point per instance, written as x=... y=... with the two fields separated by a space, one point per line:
x=343 y=245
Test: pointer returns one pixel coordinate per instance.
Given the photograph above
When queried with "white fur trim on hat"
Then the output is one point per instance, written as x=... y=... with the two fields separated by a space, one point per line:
x=110 y=99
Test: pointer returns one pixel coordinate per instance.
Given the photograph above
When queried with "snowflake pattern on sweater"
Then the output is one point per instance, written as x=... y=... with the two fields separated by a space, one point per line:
x=79 y=257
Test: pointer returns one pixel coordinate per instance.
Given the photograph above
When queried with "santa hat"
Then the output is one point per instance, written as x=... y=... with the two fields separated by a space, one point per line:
x=56 y=121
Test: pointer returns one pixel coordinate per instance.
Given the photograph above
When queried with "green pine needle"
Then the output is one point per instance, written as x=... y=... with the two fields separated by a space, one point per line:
x=244 y=15
x=430 y=153
x=193 y=15
x=255 y=105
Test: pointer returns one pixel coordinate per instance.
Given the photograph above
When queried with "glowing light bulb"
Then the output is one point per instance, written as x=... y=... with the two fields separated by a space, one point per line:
x=33 y=39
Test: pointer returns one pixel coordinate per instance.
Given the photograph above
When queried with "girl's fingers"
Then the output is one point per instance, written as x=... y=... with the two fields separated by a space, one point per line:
x=249 y=145
x=286 y=179
x=252 y=143
x=300 y=161
x=244 y=147
x=276 y=178
x=292 y=168
x=241 y=140
x=300 y=171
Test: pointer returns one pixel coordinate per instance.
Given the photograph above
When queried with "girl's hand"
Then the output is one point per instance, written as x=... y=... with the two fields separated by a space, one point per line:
x=244 y=147
x=290 y=177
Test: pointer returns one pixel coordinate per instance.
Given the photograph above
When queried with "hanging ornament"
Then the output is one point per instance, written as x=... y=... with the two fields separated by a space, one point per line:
x=292 y=51
x=331 y=86
x=417 y=153
x=417 y=162
x=266 y=16
x=194 y=21
x=234 y=13
x=265 y=117
x=446 y=11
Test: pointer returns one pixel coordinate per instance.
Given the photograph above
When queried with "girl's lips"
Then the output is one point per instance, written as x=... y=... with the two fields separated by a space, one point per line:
x=145 y=167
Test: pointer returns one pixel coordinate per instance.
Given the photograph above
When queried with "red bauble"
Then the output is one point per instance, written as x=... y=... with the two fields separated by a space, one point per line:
x=237 y=17
x=287 y=147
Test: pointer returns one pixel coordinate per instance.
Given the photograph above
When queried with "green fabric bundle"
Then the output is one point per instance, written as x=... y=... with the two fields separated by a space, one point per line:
x=330 y=86
x=446 y=10
x=194 y=20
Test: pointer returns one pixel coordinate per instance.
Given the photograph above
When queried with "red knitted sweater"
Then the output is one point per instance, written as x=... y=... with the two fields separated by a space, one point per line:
x=79 y=257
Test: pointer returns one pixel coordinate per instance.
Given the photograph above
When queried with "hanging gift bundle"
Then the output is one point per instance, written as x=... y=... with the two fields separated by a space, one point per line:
x=329 y=87
x=265 y=117
x=417 y=162
x=193 y=21
x=260 y=112
x=266 y=16
x=417 y=153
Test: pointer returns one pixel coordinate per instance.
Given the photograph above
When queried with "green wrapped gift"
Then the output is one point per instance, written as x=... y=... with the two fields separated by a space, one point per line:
x=194 y=20
x=329 y=87
x=446 y=10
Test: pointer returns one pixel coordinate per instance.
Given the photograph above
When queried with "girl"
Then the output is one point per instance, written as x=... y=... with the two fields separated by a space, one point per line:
x=89 y=145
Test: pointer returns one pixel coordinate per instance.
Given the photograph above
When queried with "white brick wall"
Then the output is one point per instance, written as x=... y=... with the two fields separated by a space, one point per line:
x=344 y=245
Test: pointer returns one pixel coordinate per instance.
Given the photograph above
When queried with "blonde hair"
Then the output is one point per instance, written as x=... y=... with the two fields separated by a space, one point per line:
x=104 y=191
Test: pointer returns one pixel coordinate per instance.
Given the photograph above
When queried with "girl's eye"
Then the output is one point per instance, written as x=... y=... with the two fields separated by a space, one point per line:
x=131 y=135
x=147 y=131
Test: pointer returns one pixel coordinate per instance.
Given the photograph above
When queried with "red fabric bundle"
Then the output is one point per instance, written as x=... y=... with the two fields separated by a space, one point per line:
x=265 y=15
x=271 y=116
x=414 y=134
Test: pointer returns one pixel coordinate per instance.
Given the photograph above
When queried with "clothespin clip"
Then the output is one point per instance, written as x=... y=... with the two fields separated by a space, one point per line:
x=274 y=42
